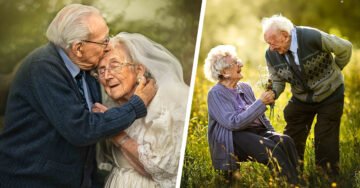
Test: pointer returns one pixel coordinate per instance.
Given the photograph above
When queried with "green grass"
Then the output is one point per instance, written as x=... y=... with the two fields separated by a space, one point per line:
x=198 y=170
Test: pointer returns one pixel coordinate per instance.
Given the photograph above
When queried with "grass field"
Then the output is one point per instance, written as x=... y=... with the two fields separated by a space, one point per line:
x=198 y=171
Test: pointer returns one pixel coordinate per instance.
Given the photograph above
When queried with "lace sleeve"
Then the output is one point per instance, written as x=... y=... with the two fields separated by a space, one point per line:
x=160 y=150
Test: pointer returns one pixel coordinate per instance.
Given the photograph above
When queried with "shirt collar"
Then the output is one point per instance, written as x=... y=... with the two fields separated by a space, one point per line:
x=236 y=89
x=294 y=43
x=239 y=89
x=70 y=65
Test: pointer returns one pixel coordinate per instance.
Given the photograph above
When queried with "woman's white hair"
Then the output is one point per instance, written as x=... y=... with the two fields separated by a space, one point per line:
x=277 y=22
x=70 y=25
x=216 y=61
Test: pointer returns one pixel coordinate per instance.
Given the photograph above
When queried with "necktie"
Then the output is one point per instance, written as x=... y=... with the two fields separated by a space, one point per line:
x=296 y=71
x=294 y=67
x=79 y=83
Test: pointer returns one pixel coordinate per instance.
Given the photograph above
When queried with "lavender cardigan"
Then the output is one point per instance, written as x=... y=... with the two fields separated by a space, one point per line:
x=224 y=119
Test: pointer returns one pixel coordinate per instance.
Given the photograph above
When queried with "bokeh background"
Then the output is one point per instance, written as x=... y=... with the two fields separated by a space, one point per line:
x=238 y=22
x=172 y=23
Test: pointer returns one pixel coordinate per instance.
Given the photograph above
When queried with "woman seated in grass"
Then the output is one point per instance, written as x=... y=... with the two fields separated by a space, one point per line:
x=238 y=129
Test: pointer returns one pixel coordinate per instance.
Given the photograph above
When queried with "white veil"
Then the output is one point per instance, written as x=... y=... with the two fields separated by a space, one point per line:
x=157 y=59
x=164 y=68
x=165 y=119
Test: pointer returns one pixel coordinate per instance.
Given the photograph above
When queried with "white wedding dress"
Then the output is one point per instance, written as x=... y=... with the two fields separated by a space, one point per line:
x=159 y=136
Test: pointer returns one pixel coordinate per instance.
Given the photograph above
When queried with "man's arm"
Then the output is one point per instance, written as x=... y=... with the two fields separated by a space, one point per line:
x=340 y=47
x=277 y=82
x=58 y=103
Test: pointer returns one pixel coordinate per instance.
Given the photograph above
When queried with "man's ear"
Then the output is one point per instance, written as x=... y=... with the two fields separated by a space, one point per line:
x=285 y=34
x=77 y=49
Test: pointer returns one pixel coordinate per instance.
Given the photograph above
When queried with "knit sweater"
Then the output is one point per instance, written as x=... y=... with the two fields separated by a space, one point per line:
x=321 y=56
x=224 y=118
x=49 y=136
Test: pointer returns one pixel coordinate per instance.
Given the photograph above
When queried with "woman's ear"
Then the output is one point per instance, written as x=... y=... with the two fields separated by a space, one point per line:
x=77 y=49
x=224 y=74
x=140 y=70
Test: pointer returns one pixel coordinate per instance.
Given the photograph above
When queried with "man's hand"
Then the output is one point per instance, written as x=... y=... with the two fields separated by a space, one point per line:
x=97 y=107
x=146 y=90
x=267 y=97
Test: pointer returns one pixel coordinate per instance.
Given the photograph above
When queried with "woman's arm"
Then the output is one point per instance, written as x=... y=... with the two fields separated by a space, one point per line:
x=220 y=107
x=129 y=148
x=247 y=87
x=160 y=151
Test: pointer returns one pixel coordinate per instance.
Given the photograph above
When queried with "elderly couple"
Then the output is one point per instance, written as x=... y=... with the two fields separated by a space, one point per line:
x=301 y=56
x=54 y=117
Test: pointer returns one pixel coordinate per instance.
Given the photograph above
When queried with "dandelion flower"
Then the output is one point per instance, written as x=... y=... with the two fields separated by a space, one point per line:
x=333 y=184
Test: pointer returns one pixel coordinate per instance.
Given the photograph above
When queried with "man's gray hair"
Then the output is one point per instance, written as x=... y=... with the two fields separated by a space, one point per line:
x=216 y=61
x=70 y=25
x=278 y=22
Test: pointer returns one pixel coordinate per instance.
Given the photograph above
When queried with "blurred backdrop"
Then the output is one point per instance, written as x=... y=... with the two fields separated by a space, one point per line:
x=238 y=22
x=172 y=23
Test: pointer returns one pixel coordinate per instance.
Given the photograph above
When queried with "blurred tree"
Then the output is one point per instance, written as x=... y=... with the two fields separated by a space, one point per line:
x=233 y=22
x=238 y=22
x=24 y=24
x=176 y=31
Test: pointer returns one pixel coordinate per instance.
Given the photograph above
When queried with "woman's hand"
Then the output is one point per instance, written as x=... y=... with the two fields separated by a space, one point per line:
x=146 y=90
x=99 y=108
x=267 y=97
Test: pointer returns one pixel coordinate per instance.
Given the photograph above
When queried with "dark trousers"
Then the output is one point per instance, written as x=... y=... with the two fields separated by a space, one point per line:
x=263 y=146
x=299 y=118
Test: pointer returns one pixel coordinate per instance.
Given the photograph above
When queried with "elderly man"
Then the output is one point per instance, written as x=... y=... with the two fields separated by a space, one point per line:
x=50 y=133
x=311 y=61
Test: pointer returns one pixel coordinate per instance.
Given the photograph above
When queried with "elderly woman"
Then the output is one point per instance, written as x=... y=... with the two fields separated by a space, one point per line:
x=147 y=153
x=237 y=123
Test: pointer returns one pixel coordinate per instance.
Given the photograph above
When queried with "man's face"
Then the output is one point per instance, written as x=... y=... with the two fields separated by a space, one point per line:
x=94 y=50
x=278 y=40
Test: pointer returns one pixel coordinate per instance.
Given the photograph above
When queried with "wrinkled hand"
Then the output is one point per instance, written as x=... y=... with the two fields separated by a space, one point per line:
x=267 y=97
x=146 y=90
x=99 y=108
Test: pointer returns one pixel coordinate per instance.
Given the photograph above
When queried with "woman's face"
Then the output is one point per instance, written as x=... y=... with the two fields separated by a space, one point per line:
x=118 y=74
x=234 y=70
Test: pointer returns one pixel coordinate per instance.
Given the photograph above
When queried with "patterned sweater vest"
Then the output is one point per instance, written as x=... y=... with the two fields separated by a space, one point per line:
x=322 y=74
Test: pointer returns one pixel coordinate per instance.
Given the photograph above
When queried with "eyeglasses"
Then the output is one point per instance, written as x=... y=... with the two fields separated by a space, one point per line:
x=105 y=43
x=113 y=68
x=237 y=62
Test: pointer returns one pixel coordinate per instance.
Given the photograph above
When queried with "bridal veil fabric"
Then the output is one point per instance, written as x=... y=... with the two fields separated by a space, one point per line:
x=159 y=134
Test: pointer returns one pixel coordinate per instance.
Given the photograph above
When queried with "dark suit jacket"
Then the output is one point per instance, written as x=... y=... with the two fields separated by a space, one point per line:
x=49 y=136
